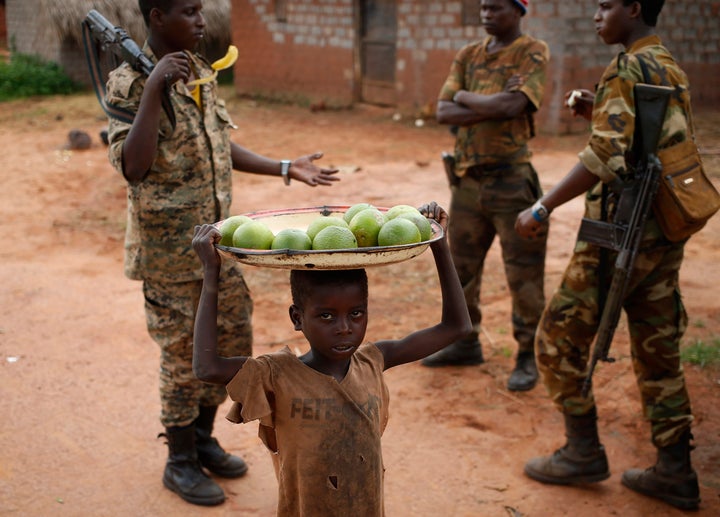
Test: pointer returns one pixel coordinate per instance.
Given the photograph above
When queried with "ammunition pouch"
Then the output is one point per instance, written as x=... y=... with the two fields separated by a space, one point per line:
x=686 y=198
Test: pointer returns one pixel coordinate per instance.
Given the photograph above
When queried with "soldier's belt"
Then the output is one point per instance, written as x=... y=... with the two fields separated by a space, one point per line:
x=484 y=171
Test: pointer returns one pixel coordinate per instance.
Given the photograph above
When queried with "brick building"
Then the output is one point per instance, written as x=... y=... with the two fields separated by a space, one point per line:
x=3 y=26
x=398 y=52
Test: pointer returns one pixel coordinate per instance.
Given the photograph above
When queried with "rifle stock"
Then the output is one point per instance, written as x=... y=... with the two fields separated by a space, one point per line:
x=115 y=40
x=650 y=106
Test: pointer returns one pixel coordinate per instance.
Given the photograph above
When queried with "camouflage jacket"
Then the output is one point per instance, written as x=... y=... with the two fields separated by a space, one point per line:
x=189 y=182
x=613 y=118
x=495 y=142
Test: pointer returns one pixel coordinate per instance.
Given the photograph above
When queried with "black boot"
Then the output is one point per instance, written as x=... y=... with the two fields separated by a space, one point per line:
x=183 y=473
x=581 y=460
x=672 y=479
x=465 y=352
x=211 y=455
x=525 y=375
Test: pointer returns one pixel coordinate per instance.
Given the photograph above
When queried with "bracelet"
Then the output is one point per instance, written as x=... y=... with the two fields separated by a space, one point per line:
x=284 y=169
x=539 y=212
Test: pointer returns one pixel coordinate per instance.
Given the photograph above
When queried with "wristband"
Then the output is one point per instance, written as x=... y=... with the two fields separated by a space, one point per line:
x=284 y=169
x=539 y=212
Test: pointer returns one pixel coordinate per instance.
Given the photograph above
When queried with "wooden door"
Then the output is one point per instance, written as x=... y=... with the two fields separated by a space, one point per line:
x=378 y=38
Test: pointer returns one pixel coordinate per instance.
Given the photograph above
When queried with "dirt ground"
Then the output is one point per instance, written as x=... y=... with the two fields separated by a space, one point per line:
x=78 y=372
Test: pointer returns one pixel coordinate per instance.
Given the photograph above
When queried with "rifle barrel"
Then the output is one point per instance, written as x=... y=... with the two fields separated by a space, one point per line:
x=118 y=42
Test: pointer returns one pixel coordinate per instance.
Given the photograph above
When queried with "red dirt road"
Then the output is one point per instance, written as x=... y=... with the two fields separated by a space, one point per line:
x=78 y=373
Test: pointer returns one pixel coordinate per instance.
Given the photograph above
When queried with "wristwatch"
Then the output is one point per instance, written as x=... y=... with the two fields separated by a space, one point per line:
x=284 y=168
x=539 y=212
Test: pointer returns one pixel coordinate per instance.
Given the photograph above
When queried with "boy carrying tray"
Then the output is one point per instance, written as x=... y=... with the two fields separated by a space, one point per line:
x=322 y=414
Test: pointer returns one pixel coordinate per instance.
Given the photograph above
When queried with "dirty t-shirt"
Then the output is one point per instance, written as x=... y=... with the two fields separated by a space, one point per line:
x=324 y=434
x=474 y=69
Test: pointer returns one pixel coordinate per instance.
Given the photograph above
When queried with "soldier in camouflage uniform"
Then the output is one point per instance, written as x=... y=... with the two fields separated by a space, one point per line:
x=179 y=176
x=655 y=313
x=493 y=89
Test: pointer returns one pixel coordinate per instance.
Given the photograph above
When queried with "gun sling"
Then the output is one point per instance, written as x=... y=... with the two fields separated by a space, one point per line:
x=123 y=47
x=633 y=207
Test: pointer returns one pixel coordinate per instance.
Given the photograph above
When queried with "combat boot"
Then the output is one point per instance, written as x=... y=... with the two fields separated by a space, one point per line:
x=211 y=455
x=672 y=479
x=183 y=473
x=581 y=460
x=464 y=352
x=525 y=375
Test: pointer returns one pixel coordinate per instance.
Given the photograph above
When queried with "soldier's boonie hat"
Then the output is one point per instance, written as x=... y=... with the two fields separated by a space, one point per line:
x=522 y=4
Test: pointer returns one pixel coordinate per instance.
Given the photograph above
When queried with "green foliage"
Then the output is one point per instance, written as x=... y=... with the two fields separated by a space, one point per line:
x=701 y=353
x=26 y=76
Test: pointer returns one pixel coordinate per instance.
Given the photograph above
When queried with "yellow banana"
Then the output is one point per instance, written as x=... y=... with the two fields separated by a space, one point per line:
x=203 y=80
x=224 y=62
x=227 y=60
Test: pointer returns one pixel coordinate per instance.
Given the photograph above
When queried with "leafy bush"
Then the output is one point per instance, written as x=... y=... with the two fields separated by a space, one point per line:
x=27 y=75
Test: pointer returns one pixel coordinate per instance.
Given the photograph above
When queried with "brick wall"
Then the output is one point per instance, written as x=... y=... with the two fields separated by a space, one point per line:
x=3 y=27
x=313 y=56
x=690 y=30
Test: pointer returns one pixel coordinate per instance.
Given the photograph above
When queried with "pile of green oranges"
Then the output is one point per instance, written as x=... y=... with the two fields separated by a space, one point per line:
x=360 y=226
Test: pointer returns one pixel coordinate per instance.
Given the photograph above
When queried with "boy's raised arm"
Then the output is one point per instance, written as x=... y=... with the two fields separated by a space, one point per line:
x=455 y=320
x=208 y=366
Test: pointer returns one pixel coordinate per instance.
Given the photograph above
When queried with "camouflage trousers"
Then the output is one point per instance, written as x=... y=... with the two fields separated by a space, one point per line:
x=656 y=320
x=170 y=312
x=480 y=209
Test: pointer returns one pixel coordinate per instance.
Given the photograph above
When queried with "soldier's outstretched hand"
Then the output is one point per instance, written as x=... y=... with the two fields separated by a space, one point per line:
x=303 y=169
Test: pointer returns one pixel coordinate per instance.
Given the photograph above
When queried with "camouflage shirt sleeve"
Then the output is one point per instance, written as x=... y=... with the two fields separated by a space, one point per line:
x=527 y=57
x=456 y=77
x=532 y=68
x=613 y=119
x=124 y=89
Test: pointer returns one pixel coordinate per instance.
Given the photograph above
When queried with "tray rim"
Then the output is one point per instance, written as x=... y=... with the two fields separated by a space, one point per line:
x=385 y=254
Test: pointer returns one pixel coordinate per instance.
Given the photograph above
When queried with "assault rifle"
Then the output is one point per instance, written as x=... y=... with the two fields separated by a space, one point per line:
x=117 y=41
x=99 y=32
x=625 y=233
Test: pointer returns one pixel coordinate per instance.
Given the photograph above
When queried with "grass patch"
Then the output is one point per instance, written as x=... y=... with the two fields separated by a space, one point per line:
x=702 y=354
x=506 y=352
